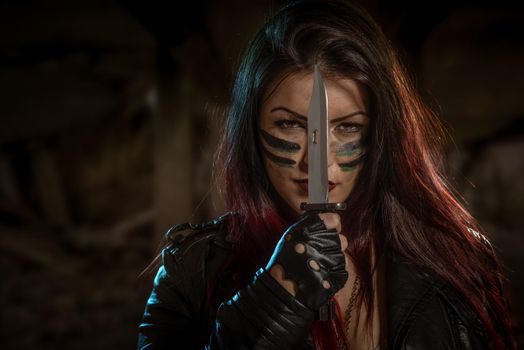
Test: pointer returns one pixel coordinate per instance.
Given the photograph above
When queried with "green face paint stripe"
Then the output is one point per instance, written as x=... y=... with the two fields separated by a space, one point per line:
x=285 y=162
x=349 y=148
x=351 y=165
x=349 y=153
x=279 y=144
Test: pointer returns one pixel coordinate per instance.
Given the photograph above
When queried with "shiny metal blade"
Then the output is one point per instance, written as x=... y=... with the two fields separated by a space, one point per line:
x=317 y=130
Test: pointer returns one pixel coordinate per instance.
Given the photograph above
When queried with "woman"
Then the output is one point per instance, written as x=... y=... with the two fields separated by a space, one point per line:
x=405 y=264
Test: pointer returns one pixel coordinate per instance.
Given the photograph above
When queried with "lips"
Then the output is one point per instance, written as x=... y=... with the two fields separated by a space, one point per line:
x=303 y=185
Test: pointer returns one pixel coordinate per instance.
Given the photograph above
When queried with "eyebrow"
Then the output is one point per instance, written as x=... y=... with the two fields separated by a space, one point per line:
x=304 y=118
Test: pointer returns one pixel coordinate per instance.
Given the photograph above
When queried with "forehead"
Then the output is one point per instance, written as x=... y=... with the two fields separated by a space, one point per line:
x=345 y=95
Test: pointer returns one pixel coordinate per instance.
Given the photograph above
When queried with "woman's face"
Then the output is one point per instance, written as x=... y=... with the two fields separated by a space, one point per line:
x=283 y=136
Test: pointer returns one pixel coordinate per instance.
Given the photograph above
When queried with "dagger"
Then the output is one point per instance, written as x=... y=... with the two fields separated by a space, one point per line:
x=317 y=131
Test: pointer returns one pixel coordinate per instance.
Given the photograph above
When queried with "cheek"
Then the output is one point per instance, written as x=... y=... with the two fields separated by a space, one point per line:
x=349 y=149
x=350 y=177
x=349 y=156
x=277 y=173
x=348 y=180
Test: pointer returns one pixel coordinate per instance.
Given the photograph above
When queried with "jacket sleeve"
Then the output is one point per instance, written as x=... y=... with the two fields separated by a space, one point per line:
x=262 y=315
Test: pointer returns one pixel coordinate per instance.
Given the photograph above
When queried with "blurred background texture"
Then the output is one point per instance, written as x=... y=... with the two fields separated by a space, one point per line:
x=109 y=115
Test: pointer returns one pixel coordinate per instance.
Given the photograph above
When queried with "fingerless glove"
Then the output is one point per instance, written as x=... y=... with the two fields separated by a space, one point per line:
x=311 y=256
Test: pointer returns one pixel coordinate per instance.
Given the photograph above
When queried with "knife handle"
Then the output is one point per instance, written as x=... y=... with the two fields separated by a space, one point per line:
x=327 y=311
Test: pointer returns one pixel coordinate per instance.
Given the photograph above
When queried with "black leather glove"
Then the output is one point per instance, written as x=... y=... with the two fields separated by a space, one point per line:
x=311 y=256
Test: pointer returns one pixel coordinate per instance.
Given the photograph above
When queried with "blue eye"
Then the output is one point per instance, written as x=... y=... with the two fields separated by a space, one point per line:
x=288 y=124
x=349 y=127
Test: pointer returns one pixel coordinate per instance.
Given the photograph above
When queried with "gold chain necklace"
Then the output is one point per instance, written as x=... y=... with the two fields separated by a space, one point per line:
x=349 y=311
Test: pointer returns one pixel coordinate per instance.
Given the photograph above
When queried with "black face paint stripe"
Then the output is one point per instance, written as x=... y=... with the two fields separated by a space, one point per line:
x=279 y=144
x=281 y=161
x=351 y=165
x=349 y=148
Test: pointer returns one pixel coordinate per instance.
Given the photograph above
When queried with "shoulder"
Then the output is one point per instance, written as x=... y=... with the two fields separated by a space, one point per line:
x=196 y=251
x=192 y=252
x=188 y=240
x=176 y=302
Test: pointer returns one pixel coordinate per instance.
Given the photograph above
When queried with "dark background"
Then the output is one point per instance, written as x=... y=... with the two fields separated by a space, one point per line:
x=109 y=117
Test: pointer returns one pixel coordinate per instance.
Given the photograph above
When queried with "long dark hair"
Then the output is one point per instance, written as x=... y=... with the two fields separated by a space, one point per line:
x=401 y=200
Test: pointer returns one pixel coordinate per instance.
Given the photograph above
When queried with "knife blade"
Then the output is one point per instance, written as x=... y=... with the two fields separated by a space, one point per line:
x=317 y=131
x=317 y=142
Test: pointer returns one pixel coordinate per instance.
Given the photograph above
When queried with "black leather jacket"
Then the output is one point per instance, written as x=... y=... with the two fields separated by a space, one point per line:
x=421 y=312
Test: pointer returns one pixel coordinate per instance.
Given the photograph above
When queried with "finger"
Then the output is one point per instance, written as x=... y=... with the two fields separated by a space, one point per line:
x=278 y=273
x=343 y=242
x=331 y=261
x=331 y=221
x=338 y=279
x=324 y=242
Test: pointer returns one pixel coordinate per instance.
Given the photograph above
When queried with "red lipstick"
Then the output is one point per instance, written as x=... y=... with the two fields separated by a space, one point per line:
x=303 y=185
